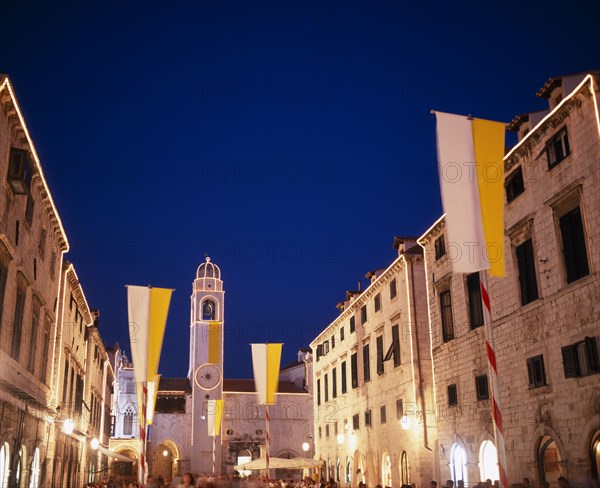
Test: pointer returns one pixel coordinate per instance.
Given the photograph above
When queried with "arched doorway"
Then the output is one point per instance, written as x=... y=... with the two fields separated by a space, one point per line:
x=124 y=470
x=386 y=469
x=549 y=460
x=595 y=456
x=488 y=461
x=163 y=462
x=34 y=472
x=458 y=463
x=348 y=475
x=404 y=469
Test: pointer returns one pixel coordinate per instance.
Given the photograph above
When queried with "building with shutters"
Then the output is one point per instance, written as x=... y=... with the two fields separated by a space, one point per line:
x=372 y=378
x=545 y=312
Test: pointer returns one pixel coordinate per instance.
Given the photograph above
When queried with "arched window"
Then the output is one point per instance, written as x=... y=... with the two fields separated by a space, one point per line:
x=404 y=471
x=208 y=310
x=128 y=421
x=4 y=464
x=488 y=461
x=386 y=470
x=348 y=470
x=34 y=477
x=458 y=463
x=549 y=460
x=20 y=466
x=595 y=456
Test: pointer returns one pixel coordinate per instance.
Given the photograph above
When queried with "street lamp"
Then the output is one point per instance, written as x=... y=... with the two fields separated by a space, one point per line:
x=305 y=446
x=340 y=438
x=68 y=426
x=95 y=443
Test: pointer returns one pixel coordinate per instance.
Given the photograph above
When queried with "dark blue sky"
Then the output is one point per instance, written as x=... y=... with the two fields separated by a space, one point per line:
x=291 y=140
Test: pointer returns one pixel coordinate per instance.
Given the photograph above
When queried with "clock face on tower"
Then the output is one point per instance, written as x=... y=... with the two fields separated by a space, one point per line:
x=207 y=376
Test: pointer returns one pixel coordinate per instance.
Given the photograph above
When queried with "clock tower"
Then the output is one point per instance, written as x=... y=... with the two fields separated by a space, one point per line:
x=206 y=361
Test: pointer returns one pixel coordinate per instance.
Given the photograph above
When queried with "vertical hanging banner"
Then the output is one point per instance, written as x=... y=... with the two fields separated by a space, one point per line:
x=471 y=168
x=147 y=311
x=214 y=342
x=266 y=360
x=214 y=416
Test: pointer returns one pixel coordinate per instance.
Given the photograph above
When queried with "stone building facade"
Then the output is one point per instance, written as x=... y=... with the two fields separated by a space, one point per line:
x=54 y=368
x=373 y=385
x=545 y=312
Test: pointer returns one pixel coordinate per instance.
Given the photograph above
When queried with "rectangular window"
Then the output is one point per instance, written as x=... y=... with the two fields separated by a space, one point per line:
x=382 y=414
x=394 y=350
x=363 y=314
x=380 y=355
x=452 y=395
x=368 y=418
x=393 y=291
x=320 y=432
x=352 y=324
x=18 y=325
x=573 y=243
x=319 y=351
x=354 y=370
x=399 y=409
x=366 y=363
x=341 y=333
x=355 y=422
x=535 y=371
x=377 y=301
x=481 y=387
x=527 y=277
x=3 y=276
x=29 y=209
x=319 y=391
x=475 y=304
x=326 y=430
x=33 y=343
x=46 y=348
x=440 y=247
x=334 y=383
x=558 y=148
x=65 y=382
x=446 y=314
x=514 y=185
x=333 y=342
x=581 y=358
x=326 y=387
x=344 y=384
x=42 y=243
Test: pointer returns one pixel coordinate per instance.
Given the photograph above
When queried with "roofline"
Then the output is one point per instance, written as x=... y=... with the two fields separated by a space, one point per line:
x=7 y=84
x=587 y=78
x=71 y=269
x=421 y=240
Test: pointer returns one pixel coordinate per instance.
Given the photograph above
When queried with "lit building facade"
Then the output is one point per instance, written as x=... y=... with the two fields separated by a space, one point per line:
x=372 y=380
x=545 y=313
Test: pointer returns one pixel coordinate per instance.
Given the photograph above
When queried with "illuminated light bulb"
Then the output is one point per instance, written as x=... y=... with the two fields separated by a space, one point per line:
x=305 y=446
x=95 y=443
x=68 y=426
x=340 y=438
x=165 y=453
x=405 y=422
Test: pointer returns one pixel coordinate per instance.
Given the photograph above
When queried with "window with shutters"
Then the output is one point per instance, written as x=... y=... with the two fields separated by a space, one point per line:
x=3 y=276
x=558 y=148
x=326 y=430
x=354 y=370
x=344 y=380
x=535 y=371
x=440 y=247
x=334 y=383
x=446 y=315
x=481 y=387
x=527 y=277
x=394 y=350
x=333 y=342
x=581 y=358
x=29 y=209
x=377 y=302
x=573 y=245
x=366 y=364
x=380 y=355
x=320 y=432
x=514 y=185
x=355 y=422
x=368 y=418
x=341 y=333
x=474 y=298
x=452 y=395
x=393 y=291
x=33 y=342
x=45 y=351
x=319 y=351
x=325 y=348
x=319 y=391
x=15 y=351
x=382 y=414
x=352 y=324
x=399 y=409
x=326 y=387
x=363 y=314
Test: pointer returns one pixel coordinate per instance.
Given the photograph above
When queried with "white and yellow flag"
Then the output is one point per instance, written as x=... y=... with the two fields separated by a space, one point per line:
x=266 y=359
x=471 y=167
x=214 y=414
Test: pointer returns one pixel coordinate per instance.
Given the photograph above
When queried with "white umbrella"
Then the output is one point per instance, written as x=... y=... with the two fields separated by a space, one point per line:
x=280 y=463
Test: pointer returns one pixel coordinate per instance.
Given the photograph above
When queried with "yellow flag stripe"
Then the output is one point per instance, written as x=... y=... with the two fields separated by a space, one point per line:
x=273 y=363
x=488 y=141
x=218 y=416
x=214 y=342
x=159 y=308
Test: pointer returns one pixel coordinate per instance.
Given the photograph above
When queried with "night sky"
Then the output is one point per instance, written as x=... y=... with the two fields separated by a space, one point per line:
x=289 y=140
